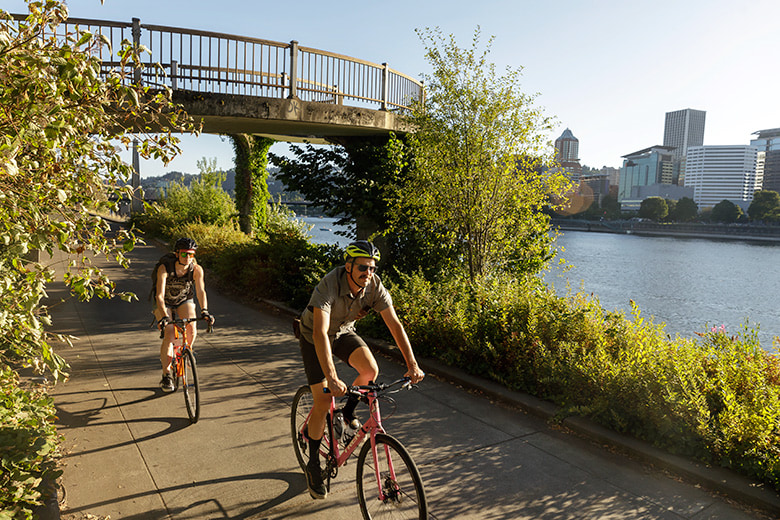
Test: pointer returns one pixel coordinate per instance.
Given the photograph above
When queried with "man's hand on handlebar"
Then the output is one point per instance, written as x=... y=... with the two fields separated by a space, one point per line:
x=415 y=374
x=336 y=387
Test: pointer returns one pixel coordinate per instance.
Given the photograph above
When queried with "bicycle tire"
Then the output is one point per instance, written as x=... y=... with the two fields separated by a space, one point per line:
x=405 y=495
x=190 y=386
x=301 y=406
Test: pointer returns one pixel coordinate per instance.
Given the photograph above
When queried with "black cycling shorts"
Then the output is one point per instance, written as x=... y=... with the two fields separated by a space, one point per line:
x=342 y=348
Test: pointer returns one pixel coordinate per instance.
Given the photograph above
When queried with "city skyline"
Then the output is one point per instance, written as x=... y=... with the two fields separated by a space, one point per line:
x=592 y=69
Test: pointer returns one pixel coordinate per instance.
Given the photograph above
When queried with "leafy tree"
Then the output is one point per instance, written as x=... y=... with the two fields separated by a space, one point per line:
x=59 y=163
x=654 y=208
x=350 y=181
x=610 y=207
x=726 y=211
x=685 y=210
x=765 y=206
x=60 y=123
x=479 y=181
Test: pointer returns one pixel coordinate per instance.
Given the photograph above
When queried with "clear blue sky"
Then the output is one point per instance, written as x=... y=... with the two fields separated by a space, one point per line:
x=607 y=69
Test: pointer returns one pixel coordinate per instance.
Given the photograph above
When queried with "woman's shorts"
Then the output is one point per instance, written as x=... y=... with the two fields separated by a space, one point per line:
x=342 y=347
x=176 y=307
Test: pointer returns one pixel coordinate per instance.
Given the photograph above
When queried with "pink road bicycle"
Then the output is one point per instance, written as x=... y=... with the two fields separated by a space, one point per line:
x=388 y=481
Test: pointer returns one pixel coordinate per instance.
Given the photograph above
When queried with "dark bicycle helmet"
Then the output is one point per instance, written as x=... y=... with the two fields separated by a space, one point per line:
x=185 y=244
x=362 y=249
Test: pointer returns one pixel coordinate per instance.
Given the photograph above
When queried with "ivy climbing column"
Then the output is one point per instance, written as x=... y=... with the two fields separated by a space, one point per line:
x=251 y=186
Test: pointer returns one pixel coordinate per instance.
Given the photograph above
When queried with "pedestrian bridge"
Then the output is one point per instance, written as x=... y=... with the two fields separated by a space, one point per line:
x=237 y=84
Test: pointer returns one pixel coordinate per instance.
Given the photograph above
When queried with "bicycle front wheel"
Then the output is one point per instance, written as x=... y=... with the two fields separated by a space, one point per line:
x=389 y=485
x=189 y=383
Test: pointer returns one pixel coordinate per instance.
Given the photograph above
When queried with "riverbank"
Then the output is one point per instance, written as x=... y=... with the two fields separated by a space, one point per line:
x=752 y=232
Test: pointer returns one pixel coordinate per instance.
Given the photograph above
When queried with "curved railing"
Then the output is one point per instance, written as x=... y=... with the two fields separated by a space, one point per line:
x=211 y=62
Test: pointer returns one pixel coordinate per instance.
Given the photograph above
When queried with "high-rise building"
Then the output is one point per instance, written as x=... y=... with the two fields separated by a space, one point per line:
x=646 y=167
x=768 y=144
x=718 y=173
x=567 y=149
x=683 y=128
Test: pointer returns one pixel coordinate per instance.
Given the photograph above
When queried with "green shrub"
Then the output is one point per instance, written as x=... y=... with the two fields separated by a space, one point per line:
x=282 y=266
x=28 y=447
x=715 y=398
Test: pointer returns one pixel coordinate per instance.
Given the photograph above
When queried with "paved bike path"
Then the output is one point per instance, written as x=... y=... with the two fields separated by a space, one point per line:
x=132 y=454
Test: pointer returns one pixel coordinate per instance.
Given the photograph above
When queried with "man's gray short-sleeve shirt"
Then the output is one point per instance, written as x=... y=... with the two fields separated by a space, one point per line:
x=332 y=295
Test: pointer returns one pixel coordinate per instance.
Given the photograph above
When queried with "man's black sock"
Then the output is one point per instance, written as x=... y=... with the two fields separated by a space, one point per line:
x=349 y=408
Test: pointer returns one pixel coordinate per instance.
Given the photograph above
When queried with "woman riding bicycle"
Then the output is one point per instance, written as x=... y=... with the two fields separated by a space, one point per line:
x=178 y=282
x=327 y=327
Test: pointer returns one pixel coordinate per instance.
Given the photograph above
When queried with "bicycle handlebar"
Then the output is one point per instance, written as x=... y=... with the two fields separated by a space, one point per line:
x=185 y=321
x=405 y=382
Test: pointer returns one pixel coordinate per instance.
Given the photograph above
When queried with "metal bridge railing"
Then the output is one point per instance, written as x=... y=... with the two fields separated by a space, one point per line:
x=211 y=62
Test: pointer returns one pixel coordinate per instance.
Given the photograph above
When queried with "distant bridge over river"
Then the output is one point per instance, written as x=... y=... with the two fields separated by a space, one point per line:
x=239 y=84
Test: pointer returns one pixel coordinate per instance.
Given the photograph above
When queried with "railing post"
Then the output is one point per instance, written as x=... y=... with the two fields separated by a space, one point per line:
x=174 y=74
x=293 y=70
x=136 y=31
x=385 y=85
x=136 y=204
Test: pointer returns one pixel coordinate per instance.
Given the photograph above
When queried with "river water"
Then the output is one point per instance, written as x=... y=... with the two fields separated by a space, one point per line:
x=688 y=284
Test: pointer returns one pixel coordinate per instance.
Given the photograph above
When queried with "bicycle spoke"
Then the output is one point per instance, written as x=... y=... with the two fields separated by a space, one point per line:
x=302 y=405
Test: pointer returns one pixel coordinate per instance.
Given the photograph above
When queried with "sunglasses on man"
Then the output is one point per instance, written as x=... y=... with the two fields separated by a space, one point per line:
x=363 y=268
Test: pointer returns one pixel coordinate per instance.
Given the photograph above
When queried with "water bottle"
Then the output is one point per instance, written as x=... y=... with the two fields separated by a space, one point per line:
x=349 y=432
x=338 y=424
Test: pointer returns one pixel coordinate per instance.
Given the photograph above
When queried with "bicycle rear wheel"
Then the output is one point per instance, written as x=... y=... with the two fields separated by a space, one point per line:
x=301 y=407
x=189 y=383
x=392 y=487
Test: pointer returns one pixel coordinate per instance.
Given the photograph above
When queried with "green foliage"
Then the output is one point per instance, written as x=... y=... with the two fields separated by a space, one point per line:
x=282 y=266
x=203 y=201
x=28 y=447
x=478 y=183
x=716 y=398
x=611 y=207
x=685 y=210
x=62 y=118
x=726 y=211
x=251 y=186
x=765 y=206
x=59 y=128
x=654 y=208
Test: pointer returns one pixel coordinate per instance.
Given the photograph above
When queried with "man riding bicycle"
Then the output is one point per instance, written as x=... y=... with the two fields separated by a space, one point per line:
x=327 y=327
x=178 y=282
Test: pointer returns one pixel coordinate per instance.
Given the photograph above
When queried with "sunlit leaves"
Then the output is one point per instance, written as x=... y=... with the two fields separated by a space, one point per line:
x=480 y=180
x=59 y=166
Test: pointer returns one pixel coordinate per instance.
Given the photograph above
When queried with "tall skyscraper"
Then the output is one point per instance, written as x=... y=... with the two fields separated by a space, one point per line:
x=567 y=149
x=684 y=128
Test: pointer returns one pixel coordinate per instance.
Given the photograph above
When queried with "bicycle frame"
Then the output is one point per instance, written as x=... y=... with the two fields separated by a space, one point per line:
x=335 y=458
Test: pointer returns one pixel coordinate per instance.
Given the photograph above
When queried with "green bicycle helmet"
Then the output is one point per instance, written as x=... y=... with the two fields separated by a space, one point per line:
x=362 y=249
